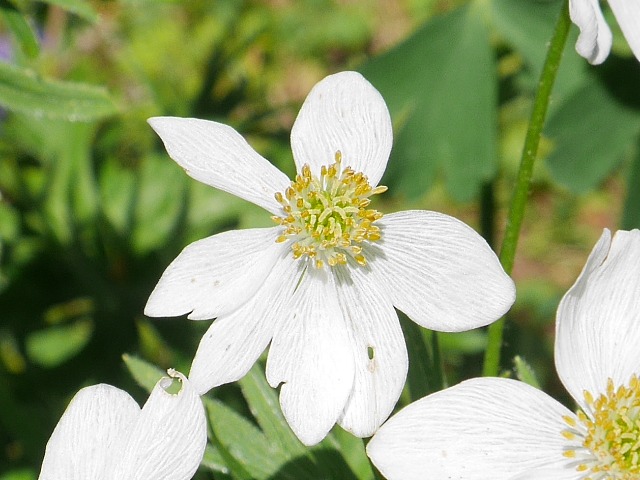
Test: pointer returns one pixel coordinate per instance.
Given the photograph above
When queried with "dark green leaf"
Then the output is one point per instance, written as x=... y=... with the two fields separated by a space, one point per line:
x=590 y=132
x=24 y=91
x=440 y=85
x=631 y=211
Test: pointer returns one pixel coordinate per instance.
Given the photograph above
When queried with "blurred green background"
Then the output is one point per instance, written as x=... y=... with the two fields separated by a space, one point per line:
x=92 y=209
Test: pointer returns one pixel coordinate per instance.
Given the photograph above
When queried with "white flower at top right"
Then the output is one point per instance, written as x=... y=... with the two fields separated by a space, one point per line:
x=507 y=430
x=594 y=42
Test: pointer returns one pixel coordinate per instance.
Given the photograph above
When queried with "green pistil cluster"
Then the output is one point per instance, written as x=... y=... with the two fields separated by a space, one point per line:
x=327 y=218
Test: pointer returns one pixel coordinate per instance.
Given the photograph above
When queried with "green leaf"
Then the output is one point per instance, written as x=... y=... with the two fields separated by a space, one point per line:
x=441 y=82
x=117 y=194
x=590 y=131
x=631 y=211
x=249 y=447
x=160 y=205
x=214 y=461
x=264 y=405
x=21 y=29
x=144 y=373
x=421 y=378
x=24 y=91
x=55 y=345
x=524 y=372
x=78 y=7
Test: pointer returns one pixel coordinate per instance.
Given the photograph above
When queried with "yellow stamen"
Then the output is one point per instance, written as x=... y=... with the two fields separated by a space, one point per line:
x=327 y=217
x=609 y=433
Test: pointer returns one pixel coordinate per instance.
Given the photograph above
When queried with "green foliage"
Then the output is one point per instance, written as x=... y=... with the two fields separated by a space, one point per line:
x=25 y=91
x=92 y=209
x=446 y=120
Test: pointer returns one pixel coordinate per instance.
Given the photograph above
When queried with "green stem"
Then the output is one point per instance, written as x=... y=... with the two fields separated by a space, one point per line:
x=523 y=182
x=438 y=364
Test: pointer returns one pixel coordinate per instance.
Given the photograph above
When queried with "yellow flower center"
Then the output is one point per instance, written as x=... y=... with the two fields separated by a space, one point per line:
x=610 y=434
x=327 y=218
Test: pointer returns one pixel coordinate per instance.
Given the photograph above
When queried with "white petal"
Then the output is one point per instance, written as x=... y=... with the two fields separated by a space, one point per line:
x=345 y=113
x=627 y=14
x=375 y=330
x=440 y=272
x=312 y=357
x=482 y=428
x=598 y=320
x=90 y=435
x=217 y=155
x=234 y=342
x=594 y=41
x=169 y=438
x=215 y=275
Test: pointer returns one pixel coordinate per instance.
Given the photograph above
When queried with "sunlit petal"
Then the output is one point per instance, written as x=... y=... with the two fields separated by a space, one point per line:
x=379 y=350
x=311 y=356
x=215 y=275
x=345 y=113
x=168 y=440
x=594 y=42
x=482 y=428
x=90 y=436
x=598 y=320
x=234 y=342
x=217 y=155
x=440 y=272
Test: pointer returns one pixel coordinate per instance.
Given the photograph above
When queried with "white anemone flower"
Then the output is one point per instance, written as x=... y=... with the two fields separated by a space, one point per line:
x=594 y=41
x=505 y=429
x=321 y=285
x=104 y=435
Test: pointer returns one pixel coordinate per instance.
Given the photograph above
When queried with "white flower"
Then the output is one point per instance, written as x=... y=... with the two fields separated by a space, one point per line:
x=103 y=435
x=322 y=284
x=594 y=42
x=504 y=429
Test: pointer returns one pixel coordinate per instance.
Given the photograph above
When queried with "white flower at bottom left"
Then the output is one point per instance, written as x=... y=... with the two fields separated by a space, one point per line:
x=104 y=435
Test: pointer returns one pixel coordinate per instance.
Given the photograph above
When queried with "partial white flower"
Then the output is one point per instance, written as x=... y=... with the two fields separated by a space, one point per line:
x=321 y=285
x=104 y=435
x=504 y=429
x=594 y=41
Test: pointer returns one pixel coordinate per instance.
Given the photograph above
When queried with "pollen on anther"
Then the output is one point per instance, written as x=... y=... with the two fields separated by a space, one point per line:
x=327 y=217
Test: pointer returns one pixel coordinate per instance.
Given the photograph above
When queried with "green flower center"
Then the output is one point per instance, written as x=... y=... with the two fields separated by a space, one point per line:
x=326 y=218
x=610 y=434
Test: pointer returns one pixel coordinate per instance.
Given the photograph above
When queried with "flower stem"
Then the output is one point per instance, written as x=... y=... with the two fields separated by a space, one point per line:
x=523 y=182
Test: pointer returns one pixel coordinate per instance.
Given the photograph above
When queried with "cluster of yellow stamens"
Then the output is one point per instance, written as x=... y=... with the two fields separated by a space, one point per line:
x=610 y=434
x=327 y=218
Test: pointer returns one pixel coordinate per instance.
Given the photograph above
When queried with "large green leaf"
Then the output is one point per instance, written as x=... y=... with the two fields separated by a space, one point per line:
x=631 y=211
x=440 y=85
x=24 y=91
x=590 y=132
x=250 y=447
